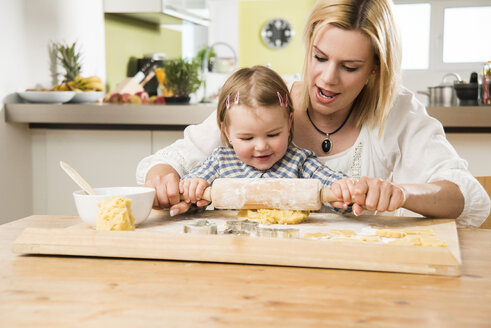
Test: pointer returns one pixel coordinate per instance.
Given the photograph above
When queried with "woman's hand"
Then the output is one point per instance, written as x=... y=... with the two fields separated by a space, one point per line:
x=166 y=189
x=192 y=190
x=372 y=194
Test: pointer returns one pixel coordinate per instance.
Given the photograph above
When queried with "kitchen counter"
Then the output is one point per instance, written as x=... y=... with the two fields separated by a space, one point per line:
x=467 y=119
x=103 y=115
x=58 y=291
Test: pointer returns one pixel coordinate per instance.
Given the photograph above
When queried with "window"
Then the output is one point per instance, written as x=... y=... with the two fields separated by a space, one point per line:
x=415 y=37
x=444 y=35
x=466 y=35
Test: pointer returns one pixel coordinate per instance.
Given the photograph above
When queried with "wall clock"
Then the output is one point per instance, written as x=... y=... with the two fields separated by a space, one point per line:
x=277 y=33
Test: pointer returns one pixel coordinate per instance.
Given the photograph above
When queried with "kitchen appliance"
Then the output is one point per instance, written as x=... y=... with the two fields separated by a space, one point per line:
x=468 y=93
x=443 y=95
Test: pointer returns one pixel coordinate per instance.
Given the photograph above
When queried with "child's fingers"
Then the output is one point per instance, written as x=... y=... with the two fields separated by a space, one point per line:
x=357 y=209
x=201 y=203
x=185 y=190
x=339 y=204
x=200 y=189
x=193 y=184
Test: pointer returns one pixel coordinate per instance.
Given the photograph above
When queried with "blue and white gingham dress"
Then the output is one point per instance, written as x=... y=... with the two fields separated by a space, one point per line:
x=296 y=163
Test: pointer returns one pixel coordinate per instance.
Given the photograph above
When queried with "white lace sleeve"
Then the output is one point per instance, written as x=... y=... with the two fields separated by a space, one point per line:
x=414 y=144
x=198 y=142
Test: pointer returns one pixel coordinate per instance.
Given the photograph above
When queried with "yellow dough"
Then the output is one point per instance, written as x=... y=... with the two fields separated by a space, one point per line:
x=115 y=214
x=424 y=232
x=343 y=232
x=433 y=242
x=265 y=216
x=407 y=241
x=390 y=233
x=372 y=239
x=419 y=241
x=316 y=235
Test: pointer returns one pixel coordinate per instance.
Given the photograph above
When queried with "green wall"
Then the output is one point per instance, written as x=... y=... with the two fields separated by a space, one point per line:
x=128 y=38
x=253 y=15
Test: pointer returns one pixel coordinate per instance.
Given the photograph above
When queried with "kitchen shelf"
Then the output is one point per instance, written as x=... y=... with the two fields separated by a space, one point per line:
x=468 y=119
x=107 y=114
x=463 y=118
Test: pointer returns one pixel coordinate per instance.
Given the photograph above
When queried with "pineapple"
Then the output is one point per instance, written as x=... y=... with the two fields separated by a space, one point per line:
x=70 y=60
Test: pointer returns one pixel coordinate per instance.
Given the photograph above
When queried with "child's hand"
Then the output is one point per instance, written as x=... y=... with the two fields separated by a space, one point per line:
x=372 y=194
x=192 y=190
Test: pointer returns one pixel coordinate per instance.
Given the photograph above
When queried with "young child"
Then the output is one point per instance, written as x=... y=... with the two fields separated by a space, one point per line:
x=255 y=117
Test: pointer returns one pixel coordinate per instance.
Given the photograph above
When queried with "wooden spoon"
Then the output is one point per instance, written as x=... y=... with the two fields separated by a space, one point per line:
x=77 y=178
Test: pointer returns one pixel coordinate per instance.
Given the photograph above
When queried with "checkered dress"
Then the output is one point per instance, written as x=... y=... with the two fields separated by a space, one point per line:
x=296 y=163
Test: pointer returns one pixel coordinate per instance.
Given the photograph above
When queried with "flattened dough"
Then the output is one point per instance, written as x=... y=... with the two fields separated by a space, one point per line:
x=266 y=216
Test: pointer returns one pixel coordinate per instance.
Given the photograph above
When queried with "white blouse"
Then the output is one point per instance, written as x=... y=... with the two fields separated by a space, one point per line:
x=412 y=149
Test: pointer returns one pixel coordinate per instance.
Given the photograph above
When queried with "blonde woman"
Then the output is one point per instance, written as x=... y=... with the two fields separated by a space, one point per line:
x=352 y=113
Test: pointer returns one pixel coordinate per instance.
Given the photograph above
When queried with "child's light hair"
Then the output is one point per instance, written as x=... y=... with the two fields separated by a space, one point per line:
x=375 y=19
x=257 y=86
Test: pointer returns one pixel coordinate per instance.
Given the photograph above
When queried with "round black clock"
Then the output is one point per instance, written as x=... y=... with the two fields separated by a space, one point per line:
x=277 y=33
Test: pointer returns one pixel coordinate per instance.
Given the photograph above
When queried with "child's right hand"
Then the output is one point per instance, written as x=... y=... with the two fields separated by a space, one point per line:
x=192 y=190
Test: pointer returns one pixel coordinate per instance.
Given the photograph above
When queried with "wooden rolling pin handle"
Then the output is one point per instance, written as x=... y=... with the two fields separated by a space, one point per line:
x=327 y=195
x=207 y=194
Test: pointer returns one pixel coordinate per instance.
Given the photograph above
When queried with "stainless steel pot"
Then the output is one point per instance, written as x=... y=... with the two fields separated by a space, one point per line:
x=442 y=95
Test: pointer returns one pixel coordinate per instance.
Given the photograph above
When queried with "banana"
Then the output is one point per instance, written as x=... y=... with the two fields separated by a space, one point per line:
x=90 y=79
x=98 y=86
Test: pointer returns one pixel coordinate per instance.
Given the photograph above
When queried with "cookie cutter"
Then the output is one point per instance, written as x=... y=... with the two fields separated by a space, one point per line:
x=287 y=233
x=266 y=232
x=241 y=227
x=201 y=227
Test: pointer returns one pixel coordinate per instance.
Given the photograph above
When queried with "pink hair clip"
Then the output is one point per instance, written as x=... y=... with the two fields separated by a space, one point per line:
x=227 y=103
x=237 y=95
x=286 y=100
x=279 y=98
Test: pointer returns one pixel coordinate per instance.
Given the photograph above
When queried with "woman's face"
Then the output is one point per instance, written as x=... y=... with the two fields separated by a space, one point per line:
x=341 y=64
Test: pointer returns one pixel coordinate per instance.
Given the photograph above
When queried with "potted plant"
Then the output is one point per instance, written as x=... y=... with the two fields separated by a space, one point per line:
x=182 y=79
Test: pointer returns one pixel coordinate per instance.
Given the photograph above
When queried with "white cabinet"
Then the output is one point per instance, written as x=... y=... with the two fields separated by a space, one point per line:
x=103 y=158
x=475 y=148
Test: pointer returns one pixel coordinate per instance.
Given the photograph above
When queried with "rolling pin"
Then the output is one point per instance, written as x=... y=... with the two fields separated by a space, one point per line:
x=285 y=194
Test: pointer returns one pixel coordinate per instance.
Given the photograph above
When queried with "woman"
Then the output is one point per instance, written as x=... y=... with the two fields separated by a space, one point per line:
x=351 y=112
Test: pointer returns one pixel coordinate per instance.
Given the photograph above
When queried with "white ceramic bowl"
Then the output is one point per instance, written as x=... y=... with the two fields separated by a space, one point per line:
x=47 y=97
x=141 y=202
x=87 y=96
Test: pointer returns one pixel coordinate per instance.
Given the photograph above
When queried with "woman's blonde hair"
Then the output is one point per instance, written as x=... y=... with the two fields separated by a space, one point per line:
x=257 y=86
x=375 y=19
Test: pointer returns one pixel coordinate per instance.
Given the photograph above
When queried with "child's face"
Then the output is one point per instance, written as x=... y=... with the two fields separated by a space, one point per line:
x=259 y=136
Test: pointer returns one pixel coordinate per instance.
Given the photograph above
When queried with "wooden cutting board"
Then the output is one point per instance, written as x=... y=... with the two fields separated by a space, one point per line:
x=162 y=237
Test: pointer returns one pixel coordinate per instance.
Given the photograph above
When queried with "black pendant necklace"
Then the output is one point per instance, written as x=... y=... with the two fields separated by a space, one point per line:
x=327 y=143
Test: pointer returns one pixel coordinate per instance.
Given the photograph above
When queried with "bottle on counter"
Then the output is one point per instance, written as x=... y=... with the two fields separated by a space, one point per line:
x=486 y=84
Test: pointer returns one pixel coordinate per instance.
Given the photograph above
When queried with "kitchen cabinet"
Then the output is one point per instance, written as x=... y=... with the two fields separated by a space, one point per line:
x=103 y=158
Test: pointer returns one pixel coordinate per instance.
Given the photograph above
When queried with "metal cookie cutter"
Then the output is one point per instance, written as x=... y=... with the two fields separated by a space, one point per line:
x=287 y=233
x=238 y=227
x=203 y=227
x=266 y=232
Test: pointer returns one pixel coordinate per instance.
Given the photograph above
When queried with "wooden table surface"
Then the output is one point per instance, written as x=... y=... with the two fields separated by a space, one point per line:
x=56 y=291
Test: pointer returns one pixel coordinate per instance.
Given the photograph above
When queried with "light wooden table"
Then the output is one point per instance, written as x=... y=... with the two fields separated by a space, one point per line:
x=50 y=291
